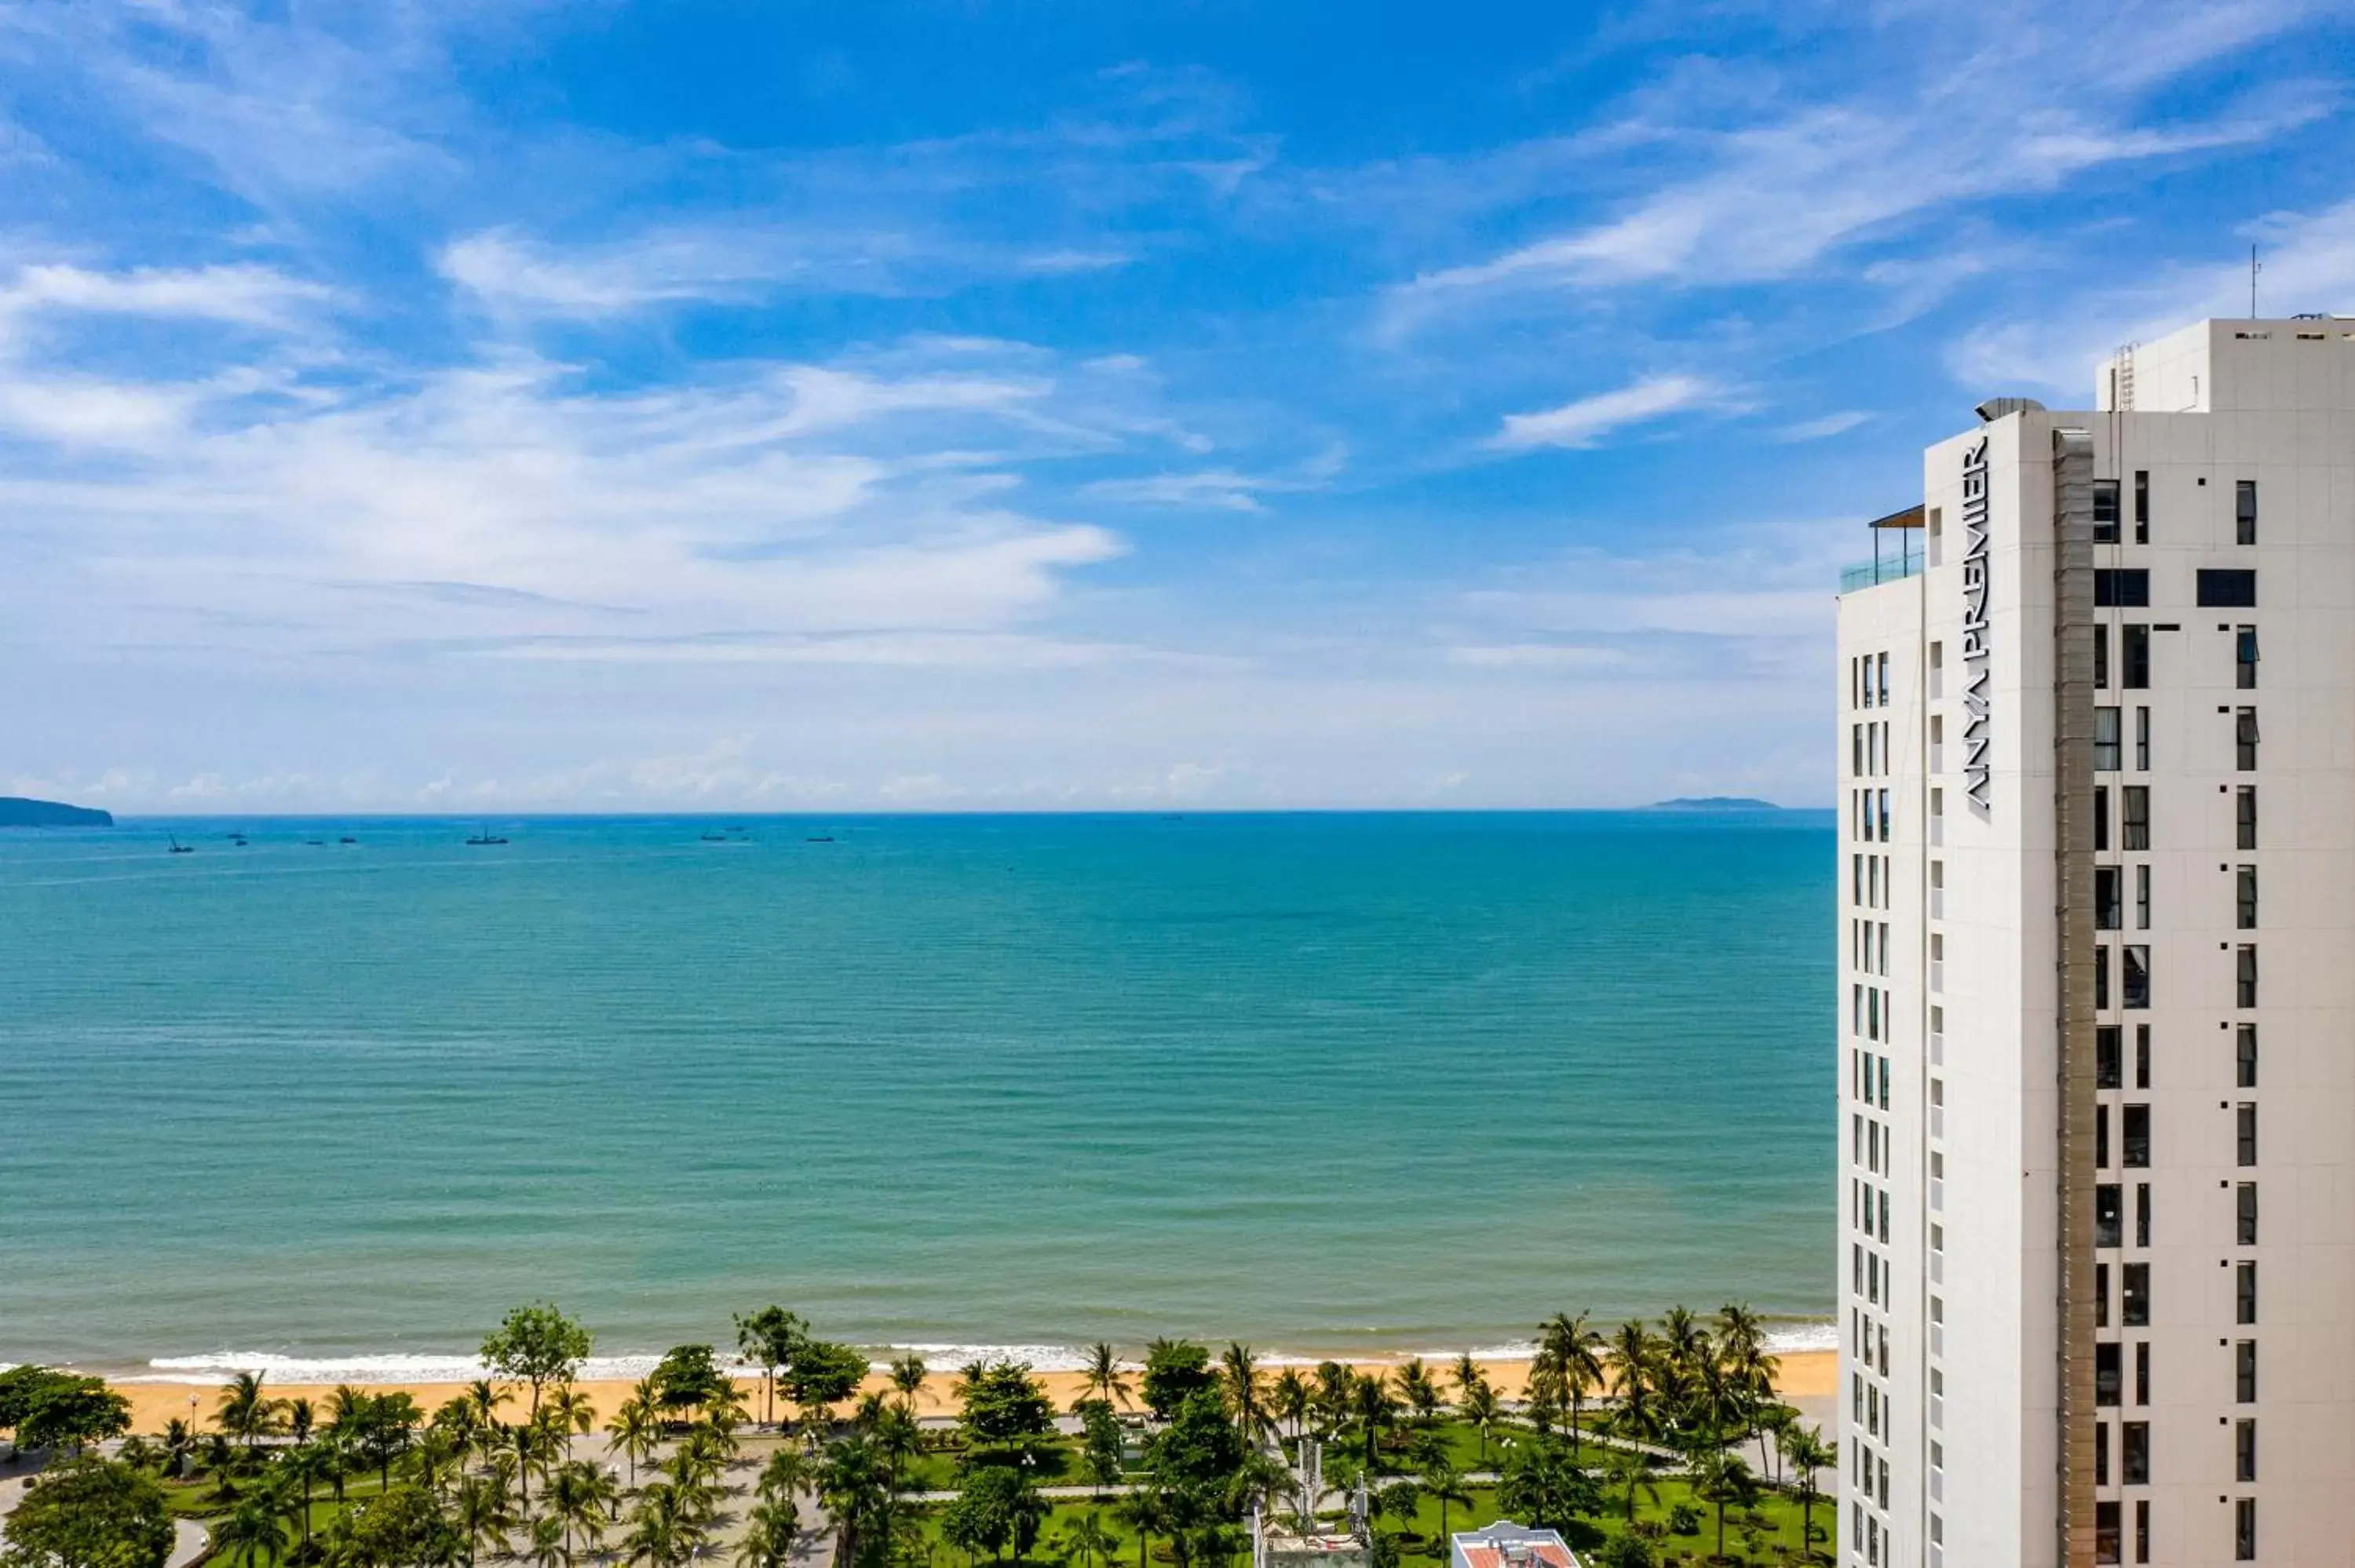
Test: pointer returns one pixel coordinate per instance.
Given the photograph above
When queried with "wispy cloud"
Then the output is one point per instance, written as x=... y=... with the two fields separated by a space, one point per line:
x=1826 y=425
x=1585 y=422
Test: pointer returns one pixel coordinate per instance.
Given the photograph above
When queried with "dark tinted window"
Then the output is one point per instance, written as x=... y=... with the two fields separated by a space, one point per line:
x=2126 y=588
x=2225 y=589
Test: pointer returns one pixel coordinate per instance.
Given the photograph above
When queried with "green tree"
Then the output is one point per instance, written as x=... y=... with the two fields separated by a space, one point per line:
x=1175 y=1369
x=1575 y=1351
x=478 y=1508
x=536 y=1345
x=47 y=1409
x=1086 y=1540
x=1445 y=1482
x=1106 y=1379
x=1288 y=1399
x=1371 y=1409
x=1539 y=1482
x=1197 y=1462
x=767 y=1339
x=1721 y=1479
x=663 y=1532
x=1003 y=1407
x=1481 y=1411
x=635 y=1431
x=684 y=1381
x=405 y=1527
x=996 y=1505
x=823 y=1374
x=252 y=1529
x=1628 y=1471
x=245 y=1412
x=385 y=1430
x=1241 y=1382
x=907 y=1379
x=769 y=1528
x=90 y=1513
x=851 y=1484
x=1623 y=1551
x=1419 y=1389
x=1804 y=1450
x=1100 y=1444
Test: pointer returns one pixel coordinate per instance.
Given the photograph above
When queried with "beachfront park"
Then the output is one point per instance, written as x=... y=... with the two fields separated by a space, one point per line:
x=1644 y=1446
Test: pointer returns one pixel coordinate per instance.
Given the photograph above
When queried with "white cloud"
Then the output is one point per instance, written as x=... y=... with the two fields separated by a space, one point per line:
x=1585 y=422
x=1827 y=425
x=246 y=295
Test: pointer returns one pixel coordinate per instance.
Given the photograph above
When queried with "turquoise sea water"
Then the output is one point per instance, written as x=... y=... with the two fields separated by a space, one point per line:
x=1319 y=1082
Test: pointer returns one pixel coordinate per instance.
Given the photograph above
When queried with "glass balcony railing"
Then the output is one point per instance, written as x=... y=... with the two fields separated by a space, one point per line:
x=1888 y=569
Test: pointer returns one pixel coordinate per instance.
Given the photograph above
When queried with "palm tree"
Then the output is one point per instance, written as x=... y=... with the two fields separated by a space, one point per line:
x=290 y=1499
x=635 y=1430
x=1628 y=1360
x=1106 y=1379
x=1146 y=1511
x=1467 y=1375
x=850 y=1483
x=479 y=1509
x=1288 y=1399
x=769 y=1540
x=1086 y=1539
x=1721 y=1478
x=1629 y=1471
x=547 y=1549
x=244 y=1412
x=662 y=1534
x=1479 y=1408
x=251 y=1527
x=787 y=1472
x=897 y=1439
x=570 y=1410
x=300 y=1419
x=1373 y=1408
x=1239 y=1380
x=1576 y=1351
x=908 y=1378
x=1444 y=1481
x=1417 y=1387
x=485 y=1397
x=179 y=1444
x=1804 y=1450
x=582 y=1497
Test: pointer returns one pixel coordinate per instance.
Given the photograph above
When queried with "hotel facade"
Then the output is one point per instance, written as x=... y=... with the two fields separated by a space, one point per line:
x=2096 y=1127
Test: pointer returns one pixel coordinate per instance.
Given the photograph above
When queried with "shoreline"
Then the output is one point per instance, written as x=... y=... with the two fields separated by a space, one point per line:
x=1806 y=1374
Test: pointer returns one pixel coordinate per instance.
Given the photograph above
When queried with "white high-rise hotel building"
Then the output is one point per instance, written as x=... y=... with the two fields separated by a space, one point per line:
x=2097 y=989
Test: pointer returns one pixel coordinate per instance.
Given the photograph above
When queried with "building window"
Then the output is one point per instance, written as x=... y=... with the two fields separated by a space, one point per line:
x=2101 y=1295
x=2102 y=658
x=2142 y=1509
x=2142 y=740
x=2244 y=1449
x=2245 y=1133
x=2108 y=1057
x=2244 y=1530
x=2244 y=1302
x=2244 y=658
x=2102 y=1138
x=2244 y=1053
x=2244 y=1213
x=2246 y=897
x=2226 y=589
x=2133 y=656
x=2101 y=1453
x=2107 y=749
x=2245 y=814
x=2142 y=897
x=2109 y=1214
x=2142 y=507
x=2102 y=978
x=2101 y=817
x=2136 y=974
x=2244 y=980
x=2122 y=588
x=2142 y=1214
x=2244 y=511
x=2107 y=1364
x=2142 y=1055
x=2134 y=816
x=2105 y=512
x=1881 y=666
x=2133 y=1454
x=2133 y=1295
x=2109 y=898
x=2133 y=1136
x=2105 y=1532
x=2142 y=1372
x=2245 y=1371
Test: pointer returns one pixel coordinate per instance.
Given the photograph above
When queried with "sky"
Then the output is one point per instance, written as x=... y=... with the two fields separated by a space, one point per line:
x=498 y=407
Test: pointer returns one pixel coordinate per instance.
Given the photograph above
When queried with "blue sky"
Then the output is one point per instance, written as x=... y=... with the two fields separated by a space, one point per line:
x=491 y=406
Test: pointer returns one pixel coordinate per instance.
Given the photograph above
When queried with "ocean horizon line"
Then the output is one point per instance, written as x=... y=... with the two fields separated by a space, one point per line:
x=881 y=814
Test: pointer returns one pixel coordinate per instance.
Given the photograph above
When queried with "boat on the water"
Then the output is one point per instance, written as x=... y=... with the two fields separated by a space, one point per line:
x=486 y=837
x=177 y=847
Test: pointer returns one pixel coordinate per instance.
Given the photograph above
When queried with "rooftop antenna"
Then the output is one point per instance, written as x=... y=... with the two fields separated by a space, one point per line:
x=2255 y=267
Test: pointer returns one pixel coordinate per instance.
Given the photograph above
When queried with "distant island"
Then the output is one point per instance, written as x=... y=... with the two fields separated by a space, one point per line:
x=1713 y=803
x=15 y=811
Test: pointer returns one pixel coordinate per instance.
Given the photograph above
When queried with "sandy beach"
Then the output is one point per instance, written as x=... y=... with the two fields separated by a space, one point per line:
x=1805 y=1374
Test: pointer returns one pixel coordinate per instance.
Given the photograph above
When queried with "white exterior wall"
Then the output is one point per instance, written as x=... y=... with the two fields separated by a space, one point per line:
x=1976 y=1388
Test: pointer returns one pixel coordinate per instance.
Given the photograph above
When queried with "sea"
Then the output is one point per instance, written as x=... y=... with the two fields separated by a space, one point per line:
x=327 y=1101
